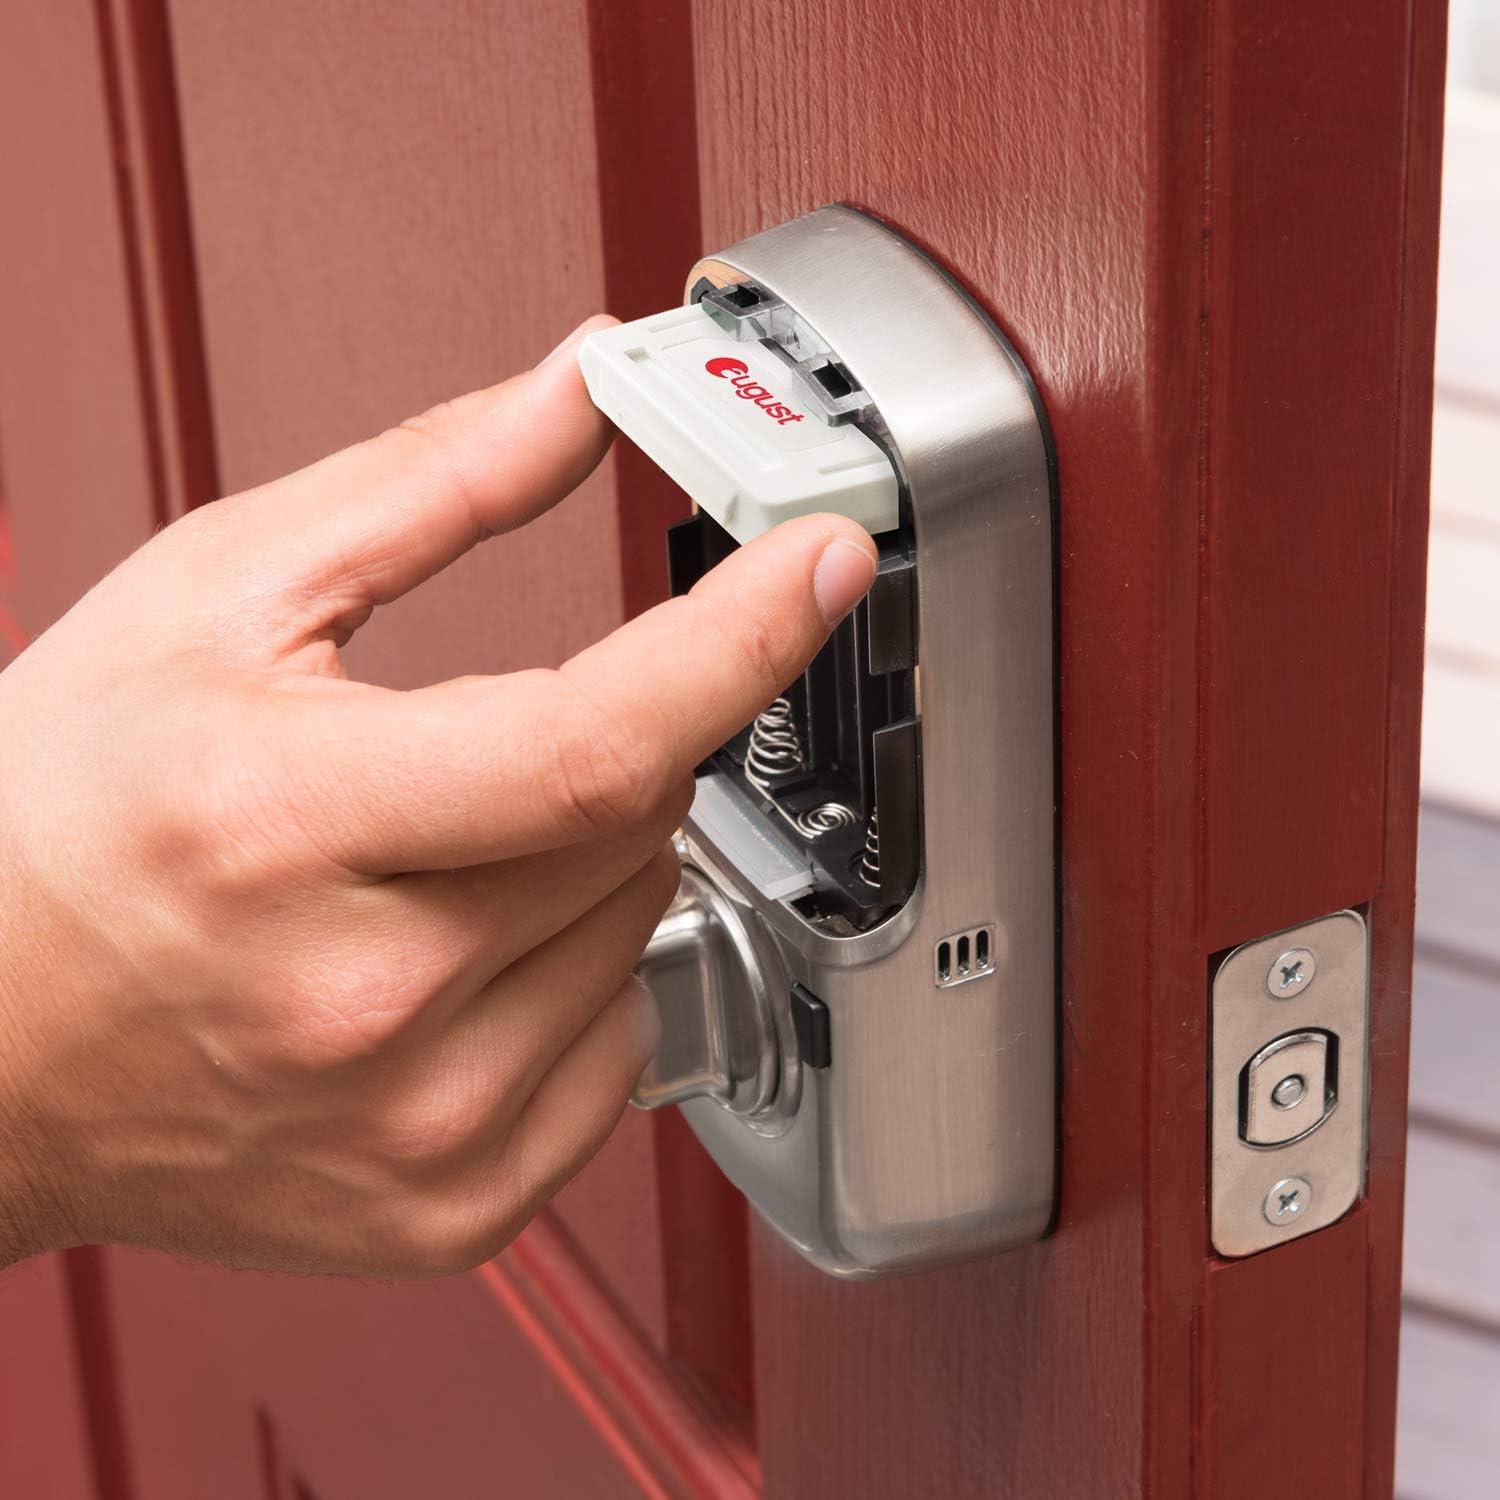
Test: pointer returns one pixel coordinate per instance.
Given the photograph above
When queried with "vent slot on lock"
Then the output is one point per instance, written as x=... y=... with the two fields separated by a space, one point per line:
x=964 y=956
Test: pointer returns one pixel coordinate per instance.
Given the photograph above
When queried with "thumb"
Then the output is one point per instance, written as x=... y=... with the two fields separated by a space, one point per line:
x=536 y=760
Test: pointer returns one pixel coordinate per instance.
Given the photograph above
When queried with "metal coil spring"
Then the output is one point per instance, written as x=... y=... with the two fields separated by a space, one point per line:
x=826 y=817
x=869 y=861
x=774 y=749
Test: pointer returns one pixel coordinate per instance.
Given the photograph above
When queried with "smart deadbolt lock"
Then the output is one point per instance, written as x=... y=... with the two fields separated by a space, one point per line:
x=857 y=979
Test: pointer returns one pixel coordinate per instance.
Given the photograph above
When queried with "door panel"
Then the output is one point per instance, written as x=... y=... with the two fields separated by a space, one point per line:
x=240 y=1382
x=74 y=437
x=1207 y=231
x=370 y=190
x=1210 y=232
x=521 y=1379
x=1015 y=148
x=45 y=1451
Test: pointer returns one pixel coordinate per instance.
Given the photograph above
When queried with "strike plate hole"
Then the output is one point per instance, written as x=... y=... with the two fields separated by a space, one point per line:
x=1290 y=1092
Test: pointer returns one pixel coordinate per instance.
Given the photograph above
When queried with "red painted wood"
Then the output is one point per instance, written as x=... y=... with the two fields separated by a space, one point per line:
x=84 y=482
x=364 y=1392
x=1304 y=291
x=1263 y=1364
x=140 y=91
x=597 y=1354
x=641 y=60
x=706 y=1264
x=73 y=436
x=1391 y=909
x=13 y=639
x=92 y=1319
x=1334 y=341
x=1194 y=223
x=522 y=1378
x=44 y=1439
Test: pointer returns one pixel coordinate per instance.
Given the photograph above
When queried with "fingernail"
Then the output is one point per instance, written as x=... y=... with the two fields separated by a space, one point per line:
x=842 y=578
x=572 y=341
x=648 y=1018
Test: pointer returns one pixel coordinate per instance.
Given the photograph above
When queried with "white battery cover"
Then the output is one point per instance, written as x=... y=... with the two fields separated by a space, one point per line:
x=728 y=422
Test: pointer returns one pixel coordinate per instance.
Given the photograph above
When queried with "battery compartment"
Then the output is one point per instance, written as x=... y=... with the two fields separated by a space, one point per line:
x=835 y=762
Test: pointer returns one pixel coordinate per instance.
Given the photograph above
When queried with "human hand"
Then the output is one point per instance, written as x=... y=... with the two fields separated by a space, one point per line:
x=301 y=973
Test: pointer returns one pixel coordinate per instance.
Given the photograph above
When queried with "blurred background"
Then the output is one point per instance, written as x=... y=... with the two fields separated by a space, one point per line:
x=1448 y=1443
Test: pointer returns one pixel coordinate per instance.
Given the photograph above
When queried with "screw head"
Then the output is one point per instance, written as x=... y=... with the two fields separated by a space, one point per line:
x=1291 y=973
x=1288 y=1200
x=1290 y=1092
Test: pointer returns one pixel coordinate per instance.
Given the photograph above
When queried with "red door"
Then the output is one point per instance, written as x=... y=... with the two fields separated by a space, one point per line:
x=1210 y=232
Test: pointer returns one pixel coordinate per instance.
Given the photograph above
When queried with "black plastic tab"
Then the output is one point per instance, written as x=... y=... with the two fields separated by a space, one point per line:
x=693 y=547
x=810 y=1021
x=898 y=792
x=891 y=615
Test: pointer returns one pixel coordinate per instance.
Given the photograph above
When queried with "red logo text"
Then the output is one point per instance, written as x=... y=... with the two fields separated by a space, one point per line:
x=737 y=373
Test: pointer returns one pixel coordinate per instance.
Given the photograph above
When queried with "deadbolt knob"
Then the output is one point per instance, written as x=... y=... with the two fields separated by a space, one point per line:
x=718 y=1033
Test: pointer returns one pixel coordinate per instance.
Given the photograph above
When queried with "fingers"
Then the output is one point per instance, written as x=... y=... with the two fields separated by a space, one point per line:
x=531 y=1015
x=486 y=917
x=365 y=525
x=468 y=1081
x=579 y=1102
x=536 y=760
x=487 y=1201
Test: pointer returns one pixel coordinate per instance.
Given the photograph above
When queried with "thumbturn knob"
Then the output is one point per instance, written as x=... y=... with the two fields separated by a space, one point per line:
x=718 y=1032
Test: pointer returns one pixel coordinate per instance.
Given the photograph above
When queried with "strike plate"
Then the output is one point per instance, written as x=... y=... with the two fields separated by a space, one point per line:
x=1289 y=1071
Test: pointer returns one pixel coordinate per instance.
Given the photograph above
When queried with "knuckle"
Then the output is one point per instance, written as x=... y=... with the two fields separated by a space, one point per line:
x=664 y=876
x=761 y=651
x=235 y=818
x=605 y=774
x=593 y=1125
x=432 y=432
x=340 y=1012
x=431 y=423
x=439 y=1236
x=677 y=802
x=429 y=1128
x=236 y=874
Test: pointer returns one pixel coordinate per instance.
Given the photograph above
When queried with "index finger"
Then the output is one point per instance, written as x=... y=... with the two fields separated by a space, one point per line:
x=489 y=768
x=364 y=525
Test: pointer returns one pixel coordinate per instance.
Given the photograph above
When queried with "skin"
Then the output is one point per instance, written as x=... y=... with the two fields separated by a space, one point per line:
x=304 y=974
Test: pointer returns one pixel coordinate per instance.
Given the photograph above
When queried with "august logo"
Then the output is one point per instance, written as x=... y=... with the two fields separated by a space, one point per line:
x=737 y=373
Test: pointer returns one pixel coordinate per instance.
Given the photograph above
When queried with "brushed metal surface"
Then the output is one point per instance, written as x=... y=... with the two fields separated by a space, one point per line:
x=1288 y=1088
x=718 y=1032
x=931 y=1136
x=1247 y=1016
